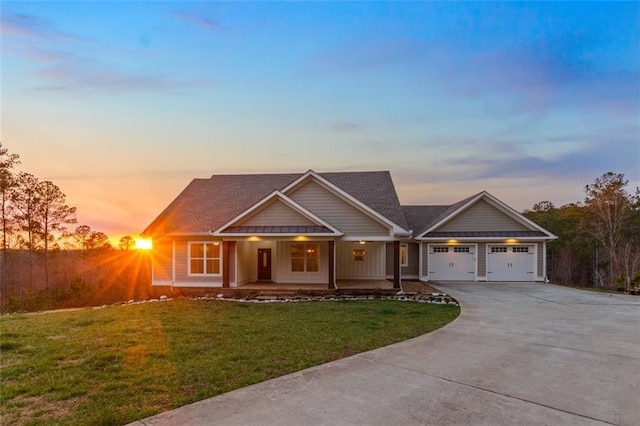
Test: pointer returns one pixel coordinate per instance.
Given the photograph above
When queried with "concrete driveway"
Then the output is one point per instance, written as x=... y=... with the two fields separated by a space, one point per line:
x=519 y=354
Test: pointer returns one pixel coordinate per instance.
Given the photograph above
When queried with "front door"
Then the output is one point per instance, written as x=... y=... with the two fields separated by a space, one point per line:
x=264 y=264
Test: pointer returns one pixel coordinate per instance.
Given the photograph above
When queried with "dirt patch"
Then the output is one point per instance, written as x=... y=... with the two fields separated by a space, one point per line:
x=417 y=287
x=30 y=407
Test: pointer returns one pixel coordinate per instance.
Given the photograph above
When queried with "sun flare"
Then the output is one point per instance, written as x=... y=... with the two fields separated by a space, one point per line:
x=143 y=244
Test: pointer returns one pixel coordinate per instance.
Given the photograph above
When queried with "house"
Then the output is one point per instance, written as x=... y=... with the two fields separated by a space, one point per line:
x=319 y=228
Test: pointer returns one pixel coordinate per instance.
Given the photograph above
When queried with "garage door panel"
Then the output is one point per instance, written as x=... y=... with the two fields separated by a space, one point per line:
x=511 y=263
x=452 y=263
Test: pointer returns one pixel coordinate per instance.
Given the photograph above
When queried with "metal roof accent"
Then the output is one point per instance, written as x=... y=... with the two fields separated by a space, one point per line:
x=257 y=230
x=486 y=234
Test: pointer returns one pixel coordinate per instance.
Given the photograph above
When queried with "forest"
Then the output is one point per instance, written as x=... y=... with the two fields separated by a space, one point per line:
x=49 y=261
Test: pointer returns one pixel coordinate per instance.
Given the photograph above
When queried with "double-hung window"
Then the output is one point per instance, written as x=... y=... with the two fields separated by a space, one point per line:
x=305 y=257
x=204 y=258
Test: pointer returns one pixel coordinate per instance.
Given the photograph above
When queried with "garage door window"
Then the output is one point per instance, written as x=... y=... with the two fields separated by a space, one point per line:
x=461 y=249
x=441 y=249
x=521 y=249
x=498 y=249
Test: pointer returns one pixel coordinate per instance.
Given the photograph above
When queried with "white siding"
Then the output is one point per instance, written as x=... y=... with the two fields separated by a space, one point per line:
x=372 y=268
x=281 y=265
x=337 y=212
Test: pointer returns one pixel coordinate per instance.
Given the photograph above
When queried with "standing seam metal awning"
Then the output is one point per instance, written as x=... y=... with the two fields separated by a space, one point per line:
x=255 y=230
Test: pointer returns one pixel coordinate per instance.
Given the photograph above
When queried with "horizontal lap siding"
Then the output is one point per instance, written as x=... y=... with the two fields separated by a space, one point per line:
x=337 y=212
x=277 y=214
x=481 y=254
x=182 y=265
x=162 y=258
x=482 y=216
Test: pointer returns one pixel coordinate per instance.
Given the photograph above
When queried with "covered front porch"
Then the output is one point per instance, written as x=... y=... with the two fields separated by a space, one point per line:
x=315 y=263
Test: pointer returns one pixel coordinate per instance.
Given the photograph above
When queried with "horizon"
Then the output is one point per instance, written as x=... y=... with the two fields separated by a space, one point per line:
x=121 y=105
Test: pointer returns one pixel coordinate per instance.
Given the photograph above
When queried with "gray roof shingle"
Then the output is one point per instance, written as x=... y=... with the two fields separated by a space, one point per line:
x=207 y=204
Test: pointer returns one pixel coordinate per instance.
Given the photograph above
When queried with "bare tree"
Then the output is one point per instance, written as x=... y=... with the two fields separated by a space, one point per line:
x=609 y=208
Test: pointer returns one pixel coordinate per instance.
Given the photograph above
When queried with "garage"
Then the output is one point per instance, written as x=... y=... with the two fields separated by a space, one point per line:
x=511 y=262
x=452 y=263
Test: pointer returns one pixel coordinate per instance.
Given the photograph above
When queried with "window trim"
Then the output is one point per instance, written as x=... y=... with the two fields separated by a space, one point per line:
x=305 y=257
x=359 y=255
x=205 y=258
x=406 y=254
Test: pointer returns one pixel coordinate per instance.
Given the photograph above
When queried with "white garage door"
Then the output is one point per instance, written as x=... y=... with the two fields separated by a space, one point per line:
x=452 y=263
x=511 y=263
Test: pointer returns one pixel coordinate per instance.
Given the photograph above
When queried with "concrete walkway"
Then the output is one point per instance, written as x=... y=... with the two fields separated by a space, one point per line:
x=519 y=354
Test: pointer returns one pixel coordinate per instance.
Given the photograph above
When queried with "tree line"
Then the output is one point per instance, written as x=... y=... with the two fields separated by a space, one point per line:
x=43 y=246
x=598 y=241
x=49 y=261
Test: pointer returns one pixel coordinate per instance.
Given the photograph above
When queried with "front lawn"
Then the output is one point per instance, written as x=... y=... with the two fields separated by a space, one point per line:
x=124 y=363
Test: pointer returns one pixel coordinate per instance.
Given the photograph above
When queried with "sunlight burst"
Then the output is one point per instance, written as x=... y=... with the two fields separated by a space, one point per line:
x=143 y=244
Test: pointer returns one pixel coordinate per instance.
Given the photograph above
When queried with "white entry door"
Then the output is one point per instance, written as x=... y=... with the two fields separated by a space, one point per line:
x=511 y=263
x=452 y=263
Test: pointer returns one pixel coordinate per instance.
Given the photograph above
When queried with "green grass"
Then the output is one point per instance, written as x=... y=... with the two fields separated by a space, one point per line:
x=116 y=365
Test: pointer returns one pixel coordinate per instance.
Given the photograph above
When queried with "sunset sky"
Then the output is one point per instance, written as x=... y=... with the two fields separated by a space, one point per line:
x=121 y=103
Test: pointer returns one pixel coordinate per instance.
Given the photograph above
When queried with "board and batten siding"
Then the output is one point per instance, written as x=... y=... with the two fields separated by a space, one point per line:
x=277 y=214
x=337 y=212
x=281 y=265
x=372 y=268
x=482 y=216
x=162 y=260
x=247 y=260
x=410 y=271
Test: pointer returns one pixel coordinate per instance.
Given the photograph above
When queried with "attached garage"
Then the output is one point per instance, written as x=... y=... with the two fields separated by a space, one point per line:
x=478 y=239
x=452 y=263
x=511 y=262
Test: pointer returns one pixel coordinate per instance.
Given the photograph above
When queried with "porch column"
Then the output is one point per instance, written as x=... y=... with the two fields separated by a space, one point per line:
x=396 y=264
x=331 y=254
x=225 y=264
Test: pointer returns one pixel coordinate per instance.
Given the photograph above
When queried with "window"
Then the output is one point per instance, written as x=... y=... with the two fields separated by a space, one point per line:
x=204 y=258
x=404 y=254
x=521 y=249
x=498 y=249
x=305 y=258
x=359 y=255
x=441 y=249
x=461 y=249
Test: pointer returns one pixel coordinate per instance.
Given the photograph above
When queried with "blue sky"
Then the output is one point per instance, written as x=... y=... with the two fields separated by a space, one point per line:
x=122 y=103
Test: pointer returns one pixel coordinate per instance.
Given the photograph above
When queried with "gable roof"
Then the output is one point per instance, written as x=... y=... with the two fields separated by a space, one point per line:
x=430 y=230
x=205 y=205
x=236 y=227
x=373 y=193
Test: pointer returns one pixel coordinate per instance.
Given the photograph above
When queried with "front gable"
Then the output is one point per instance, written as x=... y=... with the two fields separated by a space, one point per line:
x=484 y=216
x=277 y=215
x=339 y=208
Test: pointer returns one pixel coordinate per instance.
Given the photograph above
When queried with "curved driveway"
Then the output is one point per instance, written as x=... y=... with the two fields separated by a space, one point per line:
x=519 y=354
